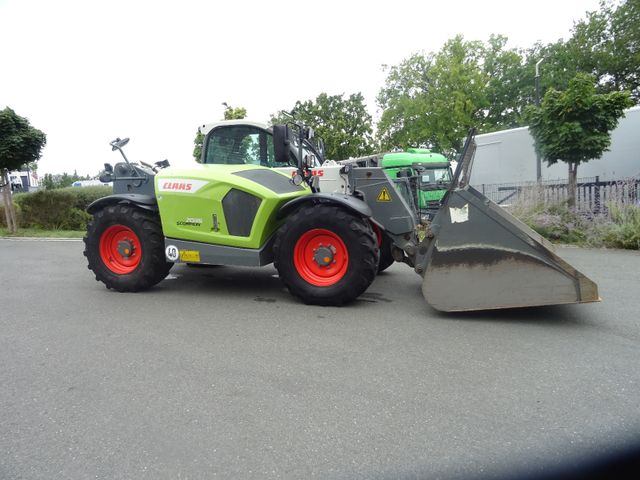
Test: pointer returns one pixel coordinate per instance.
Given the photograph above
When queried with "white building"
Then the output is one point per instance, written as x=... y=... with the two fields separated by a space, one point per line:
x=24 y=181
x=508 y=156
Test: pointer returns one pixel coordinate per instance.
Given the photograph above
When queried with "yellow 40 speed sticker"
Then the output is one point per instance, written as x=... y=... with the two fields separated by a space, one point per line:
x=173 y=254
x=189 y=255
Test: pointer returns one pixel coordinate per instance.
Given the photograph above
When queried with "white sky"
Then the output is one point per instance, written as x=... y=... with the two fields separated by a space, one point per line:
x=85 y=72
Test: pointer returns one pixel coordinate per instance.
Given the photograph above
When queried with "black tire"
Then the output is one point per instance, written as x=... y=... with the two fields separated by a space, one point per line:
x=386 y=258
x=151 y=267
x=354 y=234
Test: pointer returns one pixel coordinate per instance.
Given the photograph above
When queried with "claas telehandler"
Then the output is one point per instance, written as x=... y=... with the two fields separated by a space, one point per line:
x=257 y=198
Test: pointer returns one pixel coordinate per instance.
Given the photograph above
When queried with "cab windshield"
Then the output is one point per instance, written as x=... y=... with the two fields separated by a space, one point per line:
x=436 y=175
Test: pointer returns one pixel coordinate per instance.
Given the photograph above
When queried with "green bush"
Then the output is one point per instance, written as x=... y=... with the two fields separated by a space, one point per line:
x=619 y=228
x=625 y=230
x=84 y=196
x=558 y=223
x=60 y=209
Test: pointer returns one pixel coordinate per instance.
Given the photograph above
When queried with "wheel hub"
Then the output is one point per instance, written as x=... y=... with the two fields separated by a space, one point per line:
x=320 y=257
x=125 y=248
x=323 y=256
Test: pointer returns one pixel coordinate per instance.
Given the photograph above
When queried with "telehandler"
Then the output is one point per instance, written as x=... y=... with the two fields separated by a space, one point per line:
x=236 y=208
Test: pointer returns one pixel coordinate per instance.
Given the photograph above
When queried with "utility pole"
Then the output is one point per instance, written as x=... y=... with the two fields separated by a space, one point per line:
x=537 y=84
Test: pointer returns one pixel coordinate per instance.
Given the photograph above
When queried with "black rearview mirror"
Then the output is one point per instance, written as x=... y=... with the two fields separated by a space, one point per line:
x=281 y=143
x=118 y=143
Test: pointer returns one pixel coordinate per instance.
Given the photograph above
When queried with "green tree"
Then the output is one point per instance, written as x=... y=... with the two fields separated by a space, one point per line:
x=574 y=126
x=230 y=113
x=197 y=149
x=434 y=99
x=20 y=144
x=343 y=123
x=63 y=180
x=509 y=88
x=607 y=44
x=48 y=183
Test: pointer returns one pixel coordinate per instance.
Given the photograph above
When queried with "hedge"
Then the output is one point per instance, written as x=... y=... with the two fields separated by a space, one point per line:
x=59 y=209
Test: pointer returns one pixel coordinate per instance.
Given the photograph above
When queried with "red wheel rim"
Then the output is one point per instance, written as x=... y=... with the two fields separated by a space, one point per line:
x=120 y=249
x=321 y=257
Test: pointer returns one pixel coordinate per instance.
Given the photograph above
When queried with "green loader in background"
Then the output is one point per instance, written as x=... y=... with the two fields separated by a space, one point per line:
x=430 y=172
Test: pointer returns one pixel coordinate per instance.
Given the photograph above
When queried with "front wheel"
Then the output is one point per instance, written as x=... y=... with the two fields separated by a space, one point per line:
x=124 y=247
x=325 y=255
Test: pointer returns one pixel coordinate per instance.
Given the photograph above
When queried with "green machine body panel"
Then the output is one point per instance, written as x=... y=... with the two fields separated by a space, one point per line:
x=432 y=168
x=230 y=205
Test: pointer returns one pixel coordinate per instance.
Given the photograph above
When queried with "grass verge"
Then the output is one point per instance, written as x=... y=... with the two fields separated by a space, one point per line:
x=39 y=233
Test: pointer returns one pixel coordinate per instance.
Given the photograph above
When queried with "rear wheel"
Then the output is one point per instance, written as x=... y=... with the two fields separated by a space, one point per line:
x=125 y=248
x=326 y=255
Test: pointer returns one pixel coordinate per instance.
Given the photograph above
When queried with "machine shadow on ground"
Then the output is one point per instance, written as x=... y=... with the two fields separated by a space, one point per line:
x=552 y=315
x=227 y=281
x=262 y=285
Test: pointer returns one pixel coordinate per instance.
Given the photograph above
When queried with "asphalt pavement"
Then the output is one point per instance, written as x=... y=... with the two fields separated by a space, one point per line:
x=220 y=373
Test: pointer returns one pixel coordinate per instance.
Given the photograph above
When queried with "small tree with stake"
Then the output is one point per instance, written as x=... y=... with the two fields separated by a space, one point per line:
x=574 y=126
x=20 y=144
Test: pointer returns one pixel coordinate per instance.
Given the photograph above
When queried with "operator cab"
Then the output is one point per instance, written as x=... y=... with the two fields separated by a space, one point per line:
x=238 y=142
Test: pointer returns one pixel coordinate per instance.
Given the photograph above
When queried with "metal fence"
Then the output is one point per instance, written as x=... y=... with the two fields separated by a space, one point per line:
x=592 y=194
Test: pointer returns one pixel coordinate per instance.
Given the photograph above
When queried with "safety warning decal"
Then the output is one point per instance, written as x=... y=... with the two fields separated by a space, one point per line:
x=383 y=196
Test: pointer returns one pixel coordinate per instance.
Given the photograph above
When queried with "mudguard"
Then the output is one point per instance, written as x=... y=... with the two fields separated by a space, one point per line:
x=146 y=202
x=350 y=202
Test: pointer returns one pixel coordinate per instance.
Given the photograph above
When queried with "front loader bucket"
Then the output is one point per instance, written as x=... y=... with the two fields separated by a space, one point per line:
x=480 y=258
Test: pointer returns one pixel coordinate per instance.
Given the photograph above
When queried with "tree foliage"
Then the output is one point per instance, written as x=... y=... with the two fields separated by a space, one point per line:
x=574 y=126
x=20 y=143
x=197 y=146
x=54 y=181
x=509 y=88
x=343 y=123
x=231 y=113
x=607 y=44
x=434 y=99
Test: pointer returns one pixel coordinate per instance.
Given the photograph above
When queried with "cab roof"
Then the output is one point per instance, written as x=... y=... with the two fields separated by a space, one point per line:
x=412 y=156
x=207 y=127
